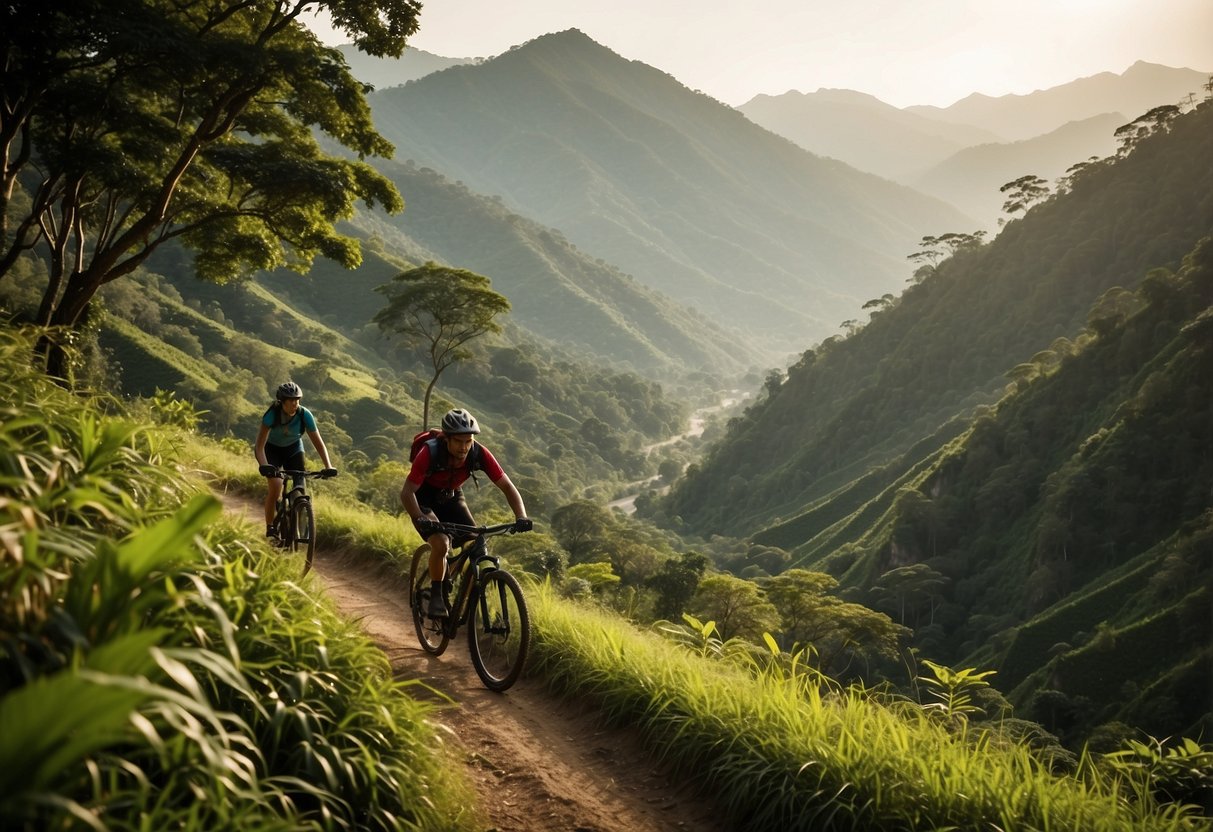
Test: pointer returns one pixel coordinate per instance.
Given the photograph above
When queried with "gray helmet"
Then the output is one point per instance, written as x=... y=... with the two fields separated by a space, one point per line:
x=459 y=421
x=289 y=390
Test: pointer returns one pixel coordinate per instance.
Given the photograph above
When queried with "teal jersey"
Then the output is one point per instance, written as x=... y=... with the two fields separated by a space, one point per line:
x=289 y=435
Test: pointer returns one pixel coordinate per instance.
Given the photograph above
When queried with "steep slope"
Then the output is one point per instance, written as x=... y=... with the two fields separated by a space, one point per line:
x=970 y=179
x=863 y=131
x=556 y=291
x=681 y=191
x=1065 y=538
x=1136 y=90
x=944 y=346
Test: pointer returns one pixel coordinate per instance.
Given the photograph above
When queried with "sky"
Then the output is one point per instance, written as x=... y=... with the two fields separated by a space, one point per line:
x=904 y=52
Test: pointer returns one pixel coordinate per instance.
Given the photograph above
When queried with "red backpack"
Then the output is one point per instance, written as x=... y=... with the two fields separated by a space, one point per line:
x=438 y=453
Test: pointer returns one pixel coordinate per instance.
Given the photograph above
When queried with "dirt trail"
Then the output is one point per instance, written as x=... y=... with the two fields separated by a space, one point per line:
x=538 y=764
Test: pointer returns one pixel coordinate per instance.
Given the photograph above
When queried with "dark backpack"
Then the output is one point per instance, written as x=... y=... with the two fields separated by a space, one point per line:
x=439 y=458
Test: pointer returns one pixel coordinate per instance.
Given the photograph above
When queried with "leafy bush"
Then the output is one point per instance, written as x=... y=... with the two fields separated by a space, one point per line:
x=156 y=672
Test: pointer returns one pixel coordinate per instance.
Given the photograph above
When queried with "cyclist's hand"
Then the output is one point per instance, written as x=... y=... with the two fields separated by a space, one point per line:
x=328 y=473
x=426 y=527
x=523 y=524
x=268 y=470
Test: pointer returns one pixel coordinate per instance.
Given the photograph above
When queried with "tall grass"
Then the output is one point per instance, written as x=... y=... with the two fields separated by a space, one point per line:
x=787 y=749
x=159 y=672
x=780 y=752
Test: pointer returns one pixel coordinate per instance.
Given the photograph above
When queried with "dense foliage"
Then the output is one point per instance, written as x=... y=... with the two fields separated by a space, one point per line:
x=947 y=342
x=157 y=672
x=1055 y=535
x=148 y=121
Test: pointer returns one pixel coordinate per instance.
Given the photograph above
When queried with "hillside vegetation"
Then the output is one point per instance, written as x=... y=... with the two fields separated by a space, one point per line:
x=945 y=345
x=671 y=186
x=161 y=672
x=1020 y=539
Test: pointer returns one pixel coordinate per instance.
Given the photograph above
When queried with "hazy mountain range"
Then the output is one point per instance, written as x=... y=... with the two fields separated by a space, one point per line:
x=676 y=190
x=669 y=185
x=965 y=152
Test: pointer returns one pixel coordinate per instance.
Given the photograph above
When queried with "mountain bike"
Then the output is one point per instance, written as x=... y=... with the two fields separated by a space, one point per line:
x=294 y=522
x=488 y=599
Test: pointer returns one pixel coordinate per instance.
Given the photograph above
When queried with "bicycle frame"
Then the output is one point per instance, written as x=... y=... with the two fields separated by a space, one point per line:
x=287 y=511
x=488 y=600
x=469 y=564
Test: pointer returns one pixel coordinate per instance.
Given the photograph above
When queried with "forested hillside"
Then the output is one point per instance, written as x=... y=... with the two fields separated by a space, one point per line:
x=971 y=178
x=557 y=292
x=679 y=190
x=1063 y=535
x=945 y=345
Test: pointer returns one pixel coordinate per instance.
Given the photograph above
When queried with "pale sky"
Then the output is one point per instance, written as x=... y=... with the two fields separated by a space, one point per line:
x=903 y=52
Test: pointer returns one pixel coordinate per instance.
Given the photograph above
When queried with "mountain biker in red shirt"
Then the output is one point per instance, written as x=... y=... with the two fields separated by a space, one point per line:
x=432 y=492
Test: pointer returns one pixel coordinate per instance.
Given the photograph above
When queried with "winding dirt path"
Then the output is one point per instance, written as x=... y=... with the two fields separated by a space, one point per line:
x=538 y=764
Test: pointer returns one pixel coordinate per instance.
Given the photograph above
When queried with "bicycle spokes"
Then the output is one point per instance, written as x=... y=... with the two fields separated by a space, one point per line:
x=499 y=633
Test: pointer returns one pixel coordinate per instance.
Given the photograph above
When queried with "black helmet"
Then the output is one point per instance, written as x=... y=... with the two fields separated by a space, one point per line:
x=459 y=421
x=289 y=390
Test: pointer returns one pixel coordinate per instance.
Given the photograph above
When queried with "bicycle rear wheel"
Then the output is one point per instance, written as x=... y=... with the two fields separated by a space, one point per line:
x=431 y=633
x=499 y=633
x=305 y=531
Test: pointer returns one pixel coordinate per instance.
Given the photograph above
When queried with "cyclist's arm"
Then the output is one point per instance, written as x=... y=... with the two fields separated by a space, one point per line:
x=321 y=449
x=259 y=447
x=408 y=499
x=511 y=495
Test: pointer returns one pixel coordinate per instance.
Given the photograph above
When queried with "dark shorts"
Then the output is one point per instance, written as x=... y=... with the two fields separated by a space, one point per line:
x=449 y=507
x=289 y=458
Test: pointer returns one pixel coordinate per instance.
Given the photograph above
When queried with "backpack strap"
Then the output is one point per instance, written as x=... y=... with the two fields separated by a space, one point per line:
x=440 y=458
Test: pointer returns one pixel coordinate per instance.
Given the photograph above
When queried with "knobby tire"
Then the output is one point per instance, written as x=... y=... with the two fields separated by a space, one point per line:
x=431 y=633
x=305 y=531
x=499 y=633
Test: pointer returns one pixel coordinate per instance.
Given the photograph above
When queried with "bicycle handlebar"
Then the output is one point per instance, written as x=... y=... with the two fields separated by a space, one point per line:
x=458 y=529
x=283 y=473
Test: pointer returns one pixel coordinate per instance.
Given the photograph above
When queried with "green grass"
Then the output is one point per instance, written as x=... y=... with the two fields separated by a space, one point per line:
x=159 y=671
x=787 y=751
x=784 y=751
x=278 y=711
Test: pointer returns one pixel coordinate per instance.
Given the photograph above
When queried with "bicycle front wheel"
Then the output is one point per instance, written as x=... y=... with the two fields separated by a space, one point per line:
x=499 y=634
x=431 y=633
x=305 y=532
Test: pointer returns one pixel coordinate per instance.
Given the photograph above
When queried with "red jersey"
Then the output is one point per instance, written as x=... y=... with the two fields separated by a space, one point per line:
x=451 y=478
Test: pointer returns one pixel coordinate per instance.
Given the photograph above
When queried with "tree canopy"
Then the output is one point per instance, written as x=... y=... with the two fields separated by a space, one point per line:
x=131 y=123
x=438 y=310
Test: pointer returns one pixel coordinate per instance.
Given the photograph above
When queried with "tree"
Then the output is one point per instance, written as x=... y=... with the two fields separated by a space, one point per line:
x=676 y=582
x=438 y=310
x=1023 y=192
x=581 y=528
x=737 y=606
x=839 y=631
x=1156 y=120
x=908 y=587
x=934 y=249
x=146 y=121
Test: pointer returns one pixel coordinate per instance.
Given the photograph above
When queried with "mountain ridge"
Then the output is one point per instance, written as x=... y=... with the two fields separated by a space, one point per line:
x=672 y=186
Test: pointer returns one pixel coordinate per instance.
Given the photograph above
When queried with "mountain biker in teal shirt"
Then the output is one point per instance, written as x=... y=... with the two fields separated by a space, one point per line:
x=280 y=445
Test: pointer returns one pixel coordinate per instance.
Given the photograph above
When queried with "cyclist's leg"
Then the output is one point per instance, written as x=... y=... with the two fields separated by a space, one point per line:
x=449 y=508
x=277 y=456
x=295 y=463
